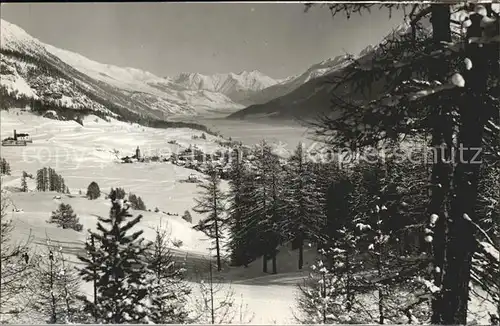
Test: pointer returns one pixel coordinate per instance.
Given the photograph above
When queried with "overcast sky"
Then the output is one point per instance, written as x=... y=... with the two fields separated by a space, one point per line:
x=168 y=38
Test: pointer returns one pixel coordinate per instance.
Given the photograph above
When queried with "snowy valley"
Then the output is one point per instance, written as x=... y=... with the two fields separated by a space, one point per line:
x=333 y=196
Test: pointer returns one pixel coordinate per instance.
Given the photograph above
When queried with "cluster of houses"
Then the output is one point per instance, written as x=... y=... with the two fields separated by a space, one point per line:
x=137 y=157
x=191 y=158
x=195 y=159
x=20 y=139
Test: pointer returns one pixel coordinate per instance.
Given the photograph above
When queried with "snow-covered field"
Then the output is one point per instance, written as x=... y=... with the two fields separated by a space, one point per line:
x=82 y=154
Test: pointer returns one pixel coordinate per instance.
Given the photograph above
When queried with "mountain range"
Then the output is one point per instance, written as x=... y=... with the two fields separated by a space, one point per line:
x=31 y=69
x=309 y=95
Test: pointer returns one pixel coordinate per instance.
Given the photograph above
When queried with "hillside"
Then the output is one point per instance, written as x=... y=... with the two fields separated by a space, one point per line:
x=291 y=83
x=31 y=71
x=309 y=95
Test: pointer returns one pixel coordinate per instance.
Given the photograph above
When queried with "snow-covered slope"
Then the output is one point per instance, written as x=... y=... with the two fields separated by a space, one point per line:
x=28 y=71
x=14 y=38
x=144 y=86
x=88 y=152
x=32 y=69
x=309 y=94
x=292 y=83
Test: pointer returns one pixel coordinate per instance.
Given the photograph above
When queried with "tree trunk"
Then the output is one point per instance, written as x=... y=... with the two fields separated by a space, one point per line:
x=381 y=317
x=323 y=295
x=212 y=310
x=301 y=251
x=441 y=170
x=94 y=278
x=264 y=263
x=461 y=247
x=217 y=247
x=275 y=268
x=216 y=224
x=53 y=315
x=461 y=244
x=349 y=292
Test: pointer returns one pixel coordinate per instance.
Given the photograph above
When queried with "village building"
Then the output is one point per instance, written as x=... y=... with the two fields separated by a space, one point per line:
x=23 y=137
x=138 y=153
x=18 y=140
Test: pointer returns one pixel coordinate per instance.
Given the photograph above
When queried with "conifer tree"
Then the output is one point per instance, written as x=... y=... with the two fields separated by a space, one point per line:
x=52 y=179
x=16 y=267
x=4 y=167
x=268 y=199
x=211 y=203
x=55 y=287
x=326 y=297
x=24 y=184
x=90 y=274
x=66 y=218
x=136 y=202
x=118 y=266
x=238 y=207
x=169 y=292
x=45 y=179
x=140 y=204
x=41 y=181
x=245 y=243
x=187 y=217
x=455 y=75
x=132 y=199
x=120 y=192
x=93 y=191
x=61 y=185
x=303 y=202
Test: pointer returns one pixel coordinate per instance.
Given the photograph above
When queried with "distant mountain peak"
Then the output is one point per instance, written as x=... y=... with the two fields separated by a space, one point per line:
x=233 y=85
x=14 y=38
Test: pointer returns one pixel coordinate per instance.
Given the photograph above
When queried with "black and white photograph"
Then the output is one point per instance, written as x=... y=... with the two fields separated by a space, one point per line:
x=250 y=162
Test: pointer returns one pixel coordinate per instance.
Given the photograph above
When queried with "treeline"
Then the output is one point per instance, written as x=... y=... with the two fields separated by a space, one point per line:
x=47 y=179
x=272 y=202
x=42 y=106
x=366 y=222
x=125 y=113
